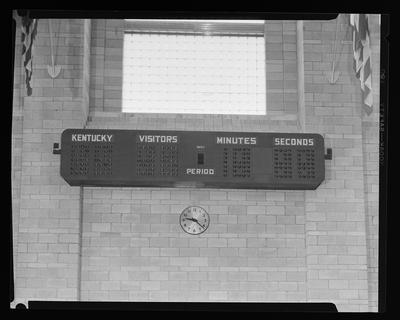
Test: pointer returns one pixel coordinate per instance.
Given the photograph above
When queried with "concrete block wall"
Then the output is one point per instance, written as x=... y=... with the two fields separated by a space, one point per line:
x=135 y=250
x=261 y=245
x=45 y=212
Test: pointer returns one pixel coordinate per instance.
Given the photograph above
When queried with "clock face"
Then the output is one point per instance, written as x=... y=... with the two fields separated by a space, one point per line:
x=194 y=220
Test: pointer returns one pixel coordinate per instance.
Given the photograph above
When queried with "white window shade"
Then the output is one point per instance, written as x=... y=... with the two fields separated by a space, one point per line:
x=199 y=74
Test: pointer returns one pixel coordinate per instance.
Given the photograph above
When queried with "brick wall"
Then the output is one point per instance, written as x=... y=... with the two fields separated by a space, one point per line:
x=46 y=216
x=370 y=134
x=335 y=213
x=270 y=245
x=16 y=142
x=281 y=67
x=87 y=35
x=133 y=247
x=342 y=214
x=106 y=77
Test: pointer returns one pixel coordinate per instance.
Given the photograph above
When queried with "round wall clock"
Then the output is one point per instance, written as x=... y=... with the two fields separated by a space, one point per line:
x=194 y=220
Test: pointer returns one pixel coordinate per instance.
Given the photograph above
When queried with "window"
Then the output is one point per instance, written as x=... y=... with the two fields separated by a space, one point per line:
x=194 y=67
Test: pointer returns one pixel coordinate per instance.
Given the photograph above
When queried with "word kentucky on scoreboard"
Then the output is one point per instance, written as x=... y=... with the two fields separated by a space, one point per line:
x=151 y=158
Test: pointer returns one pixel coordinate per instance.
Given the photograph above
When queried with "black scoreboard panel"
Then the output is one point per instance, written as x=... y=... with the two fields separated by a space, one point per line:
x=151 y=158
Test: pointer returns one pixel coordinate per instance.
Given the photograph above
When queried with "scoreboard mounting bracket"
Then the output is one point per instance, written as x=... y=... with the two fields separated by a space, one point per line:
x=197 y=159
x=328 y=155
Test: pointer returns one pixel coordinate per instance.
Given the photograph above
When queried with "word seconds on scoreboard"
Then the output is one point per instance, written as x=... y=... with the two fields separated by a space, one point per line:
x=150 y=158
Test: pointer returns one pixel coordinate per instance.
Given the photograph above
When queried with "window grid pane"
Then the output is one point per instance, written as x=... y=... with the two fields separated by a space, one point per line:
x=194 y=74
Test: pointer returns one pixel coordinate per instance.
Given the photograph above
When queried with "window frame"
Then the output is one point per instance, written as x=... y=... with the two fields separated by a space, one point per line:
x=199 y=27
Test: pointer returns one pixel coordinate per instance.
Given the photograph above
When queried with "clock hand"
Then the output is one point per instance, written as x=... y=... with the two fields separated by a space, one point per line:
x=195 y=220
x=199 y=224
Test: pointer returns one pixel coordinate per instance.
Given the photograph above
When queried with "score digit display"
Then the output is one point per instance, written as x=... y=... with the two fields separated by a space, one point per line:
x=232 y=160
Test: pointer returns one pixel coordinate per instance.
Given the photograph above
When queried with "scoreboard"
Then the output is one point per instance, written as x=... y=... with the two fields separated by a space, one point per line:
x=152 y=158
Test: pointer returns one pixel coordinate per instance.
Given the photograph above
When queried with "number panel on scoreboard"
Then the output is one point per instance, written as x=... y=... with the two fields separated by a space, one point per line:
x=149 y=158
